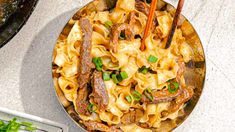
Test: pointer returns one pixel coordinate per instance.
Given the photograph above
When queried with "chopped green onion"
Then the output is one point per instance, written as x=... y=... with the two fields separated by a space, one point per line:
x=114 y=77
x=149 y=90
x=136 y=95
x=143 y=70
x=14 y=126
x=98 y=63
x=92 y=107
x=106 y=76
x=152 y=59
x=128 y=98
x=124 y=75
x=148 y=93
x=108 y=24
x=26 y=124
x=122 y=36
x=30 y=128
x=175 y=87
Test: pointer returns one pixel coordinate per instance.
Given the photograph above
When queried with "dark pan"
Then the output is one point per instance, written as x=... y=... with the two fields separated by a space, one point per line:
x=15 y=22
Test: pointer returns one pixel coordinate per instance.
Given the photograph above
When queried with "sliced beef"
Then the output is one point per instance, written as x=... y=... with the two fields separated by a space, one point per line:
x=84 y=67
x=116 y=31
x=142 y=7
x=99 y=93
x=92 y=125
x=165 y=96
x=186 y=95
x=82 y=102
x=85 y=53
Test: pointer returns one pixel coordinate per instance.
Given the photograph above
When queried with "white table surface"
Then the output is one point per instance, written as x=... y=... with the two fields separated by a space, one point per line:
x=25 y=62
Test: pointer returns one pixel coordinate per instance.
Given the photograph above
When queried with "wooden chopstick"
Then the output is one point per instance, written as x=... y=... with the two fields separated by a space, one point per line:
x=149 y=24
x=175 y=22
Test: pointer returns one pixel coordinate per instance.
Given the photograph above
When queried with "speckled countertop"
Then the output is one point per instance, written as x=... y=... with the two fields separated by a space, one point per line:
x=25 y=76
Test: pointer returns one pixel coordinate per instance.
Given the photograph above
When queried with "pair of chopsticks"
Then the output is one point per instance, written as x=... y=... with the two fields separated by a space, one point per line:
x=153 y=7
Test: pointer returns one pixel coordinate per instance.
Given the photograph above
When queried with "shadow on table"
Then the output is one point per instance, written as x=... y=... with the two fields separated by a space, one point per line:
x=36 y=87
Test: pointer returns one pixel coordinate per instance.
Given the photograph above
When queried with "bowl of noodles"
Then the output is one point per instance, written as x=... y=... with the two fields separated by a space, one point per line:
x=106 y=83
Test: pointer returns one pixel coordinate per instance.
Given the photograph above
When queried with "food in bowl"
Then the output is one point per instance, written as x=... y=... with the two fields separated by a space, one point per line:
x=106 y=83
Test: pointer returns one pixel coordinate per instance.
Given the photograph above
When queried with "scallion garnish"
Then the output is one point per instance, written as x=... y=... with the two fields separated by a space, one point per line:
x=149 y=90
x=30 y=128
x=173 y=87
x=128 y=98
x=92 y=107
x=136 y=95
x=124 y=75
x=122 y=36
x=26 y=124
x=152 y=59
x=14 y=126
x=108 y=24
x=106 y=76
x=98 y=63
x=143 y=70
x=114 y=77
x=119 y=77
x=148 y=93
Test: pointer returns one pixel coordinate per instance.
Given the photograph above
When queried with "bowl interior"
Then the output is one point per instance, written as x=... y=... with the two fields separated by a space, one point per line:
x=195 y=69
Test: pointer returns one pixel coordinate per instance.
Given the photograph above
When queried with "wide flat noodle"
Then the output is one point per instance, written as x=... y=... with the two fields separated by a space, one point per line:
x=127 y=58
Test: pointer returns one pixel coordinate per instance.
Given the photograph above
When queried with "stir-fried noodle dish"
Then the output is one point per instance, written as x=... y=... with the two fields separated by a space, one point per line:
x=106 y=83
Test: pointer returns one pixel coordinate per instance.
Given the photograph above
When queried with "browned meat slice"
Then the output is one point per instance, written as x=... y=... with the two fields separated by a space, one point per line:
x=92 y=125
x=186 y=95
x=84 y=67
x=85 y=53
x=99 y=91
x=142 y=7
x=132 y=116
x=81 y=101
x=165 y=96
x=115 y=33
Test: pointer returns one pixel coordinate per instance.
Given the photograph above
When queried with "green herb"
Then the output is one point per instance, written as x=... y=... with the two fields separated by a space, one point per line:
x=122 y=36
x=128 y=98
x=152 y=59
x=106 y=76
x=124 y=75
x=148 y=93
x=30 y=128
x=143 y=70
x=98 y=63
x=173 y=87
x=114 y=77
x=108 y=24
x=92 y=107
x=119 y=77
x=14 y=126
x=149 y=90
x=136 y=95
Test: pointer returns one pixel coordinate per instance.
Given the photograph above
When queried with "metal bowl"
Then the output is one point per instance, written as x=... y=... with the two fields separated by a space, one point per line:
x=16 y=21
x=194 y=75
